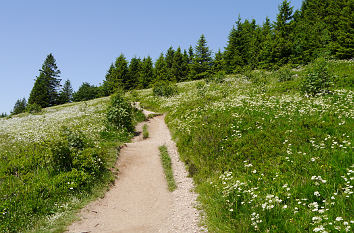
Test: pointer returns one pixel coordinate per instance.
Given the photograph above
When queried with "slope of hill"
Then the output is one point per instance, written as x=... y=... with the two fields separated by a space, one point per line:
x=265 y=156
x=53 y=162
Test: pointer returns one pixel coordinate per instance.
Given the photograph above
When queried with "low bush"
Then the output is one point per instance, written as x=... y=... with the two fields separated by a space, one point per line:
x=165 y=89
x=33 y=108
x=119 y=113
x=284 y=74
x=317 y=78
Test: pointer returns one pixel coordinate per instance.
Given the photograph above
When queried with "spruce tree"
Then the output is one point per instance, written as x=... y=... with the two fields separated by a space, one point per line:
x=146 y=73
x=107 y=87
x=66 y=93
x=120 y=74
x=45 y=89
x=178 y=67
x=169 y=62
x=202 y=61
x=283 y=29
x=160 y=69
x=20 y=106
x=218 y=64
x=133 y=73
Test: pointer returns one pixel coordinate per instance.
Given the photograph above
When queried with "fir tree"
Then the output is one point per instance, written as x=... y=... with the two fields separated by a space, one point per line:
x=45 y=89
x=202 y=60
x=146 y=73
x=133 y=73
x=20 y=106
x=66 y=93
x=179 y=66
x=218 y=64
x=160 y=69
x=283 y=29
x=107 y=87
x=120 y=73
x=169 y=62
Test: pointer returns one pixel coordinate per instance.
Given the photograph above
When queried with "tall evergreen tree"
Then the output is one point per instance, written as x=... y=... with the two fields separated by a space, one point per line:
x=233 y=54
x=107 y=87
x=202 y=61
x=120 y=73
x=134 y=72
x=283 y=30
x=160 y=69
x=20 y=106
x=146 y=73
x=45 y=89
x=179 y=67
x=169 y=62
x=66 y=93
x=218 y=64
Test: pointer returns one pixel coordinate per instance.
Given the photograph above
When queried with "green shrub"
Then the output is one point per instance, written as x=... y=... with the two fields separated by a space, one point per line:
x=119 y=113
x=33 y=108
x=145 y=131
x=219 y=77
x=318 y=78
x=165 y=89
x=284 y=74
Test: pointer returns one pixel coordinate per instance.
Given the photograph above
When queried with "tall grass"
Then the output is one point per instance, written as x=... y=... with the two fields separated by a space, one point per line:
x=264 y=156
x=50 y=162
x=167 y=167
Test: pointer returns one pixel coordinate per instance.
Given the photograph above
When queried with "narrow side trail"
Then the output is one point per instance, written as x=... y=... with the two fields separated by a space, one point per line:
x=140 y=201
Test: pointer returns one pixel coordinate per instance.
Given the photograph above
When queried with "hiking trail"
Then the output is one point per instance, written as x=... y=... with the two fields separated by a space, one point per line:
x=139 y=201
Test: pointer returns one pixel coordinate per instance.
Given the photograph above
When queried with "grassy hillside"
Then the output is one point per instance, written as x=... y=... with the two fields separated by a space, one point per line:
x=54 y=161
x=265 y=156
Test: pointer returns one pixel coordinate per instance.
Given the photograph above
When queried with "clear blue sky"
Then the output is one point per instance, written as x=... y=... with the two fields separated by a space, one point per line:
x=85 y=36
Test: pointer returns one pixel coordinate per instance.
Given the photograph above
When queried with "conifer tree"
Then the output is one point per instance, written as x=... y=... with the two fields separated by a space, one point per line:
x=202 y=61
x=233 y=54
x=20 y=106
x=190 y=55
x=66 y=93
x=133 y=73
x=169 y=62
x=160 y=69
x=146 y=73
x=179 y=67
x=107 y=87
x=45 y=89
x=218 y=64
x=120 y=73
x=283 y=30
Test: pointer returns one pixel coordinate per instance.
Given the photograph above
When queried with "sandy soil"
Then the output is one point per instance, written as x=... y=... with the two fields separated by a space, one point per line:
x=140 y=201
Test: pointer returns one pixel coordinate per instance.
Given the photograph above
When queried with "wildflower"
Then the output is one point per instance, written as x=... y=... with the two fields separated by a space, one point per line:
x=339 y=219
x=317 y=194
x=285 y=206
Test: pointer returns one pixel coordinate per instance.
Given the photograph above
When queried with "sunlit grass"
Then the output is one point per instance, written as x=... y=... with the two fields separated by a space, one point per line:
x=264 y=156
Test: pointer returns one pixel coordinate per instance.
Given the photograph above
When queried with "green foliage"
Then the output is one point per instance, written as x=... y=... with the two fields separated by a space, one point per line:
x=165 y=89
x=167 y=167
x=20 y=106
x=145 y=131
x=66 y=93
x=202 y=61
x=284 y=74
x=269 y=161
x=86 y=92
x=33 y=108
x=45 y=89
x=3 y=115
x=318 y=78
x=146 y=75
x=119 y=113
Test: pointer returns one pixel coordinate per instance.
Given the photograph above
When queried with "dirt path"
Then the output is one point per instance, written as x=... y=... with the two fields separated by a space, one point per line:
x=140 y=201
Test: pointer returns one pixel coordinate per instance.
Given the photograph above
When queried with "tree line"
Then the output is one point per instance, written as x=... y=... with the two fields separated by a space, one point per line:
x=317 y=29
